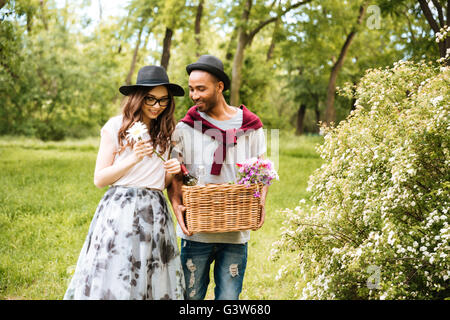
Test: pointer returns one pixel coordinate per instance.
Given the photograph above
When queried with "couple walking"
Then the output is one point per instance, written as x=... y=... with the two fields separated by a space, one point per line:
x=131 y=249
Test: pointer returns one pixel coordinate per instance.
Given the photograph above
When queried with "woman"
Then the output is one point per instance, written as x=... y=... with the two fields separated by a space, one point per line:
x=131 y=249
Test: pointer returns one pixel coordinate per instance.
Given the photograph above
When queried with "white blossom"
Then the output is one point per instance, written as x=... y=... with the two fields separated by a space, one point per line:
x=368 y=203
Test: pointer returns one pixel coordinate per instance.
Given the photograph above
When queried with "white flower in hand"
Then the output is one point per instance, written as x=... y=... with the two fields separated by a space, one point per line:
x=137 y=132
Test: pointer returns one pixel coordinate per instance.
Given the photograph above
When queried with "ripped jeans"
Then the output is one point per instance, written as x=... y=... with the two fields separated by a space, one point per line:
x=229 y=268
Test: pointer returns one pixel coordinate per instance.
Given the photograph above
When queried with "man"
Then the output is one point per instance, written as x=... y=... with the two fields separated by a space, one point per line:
x=216 y=136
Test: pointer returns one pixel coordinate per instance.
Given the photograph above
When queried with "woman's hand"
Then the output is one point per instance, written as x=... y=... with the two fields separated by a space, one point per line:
x=142 y=149
x=172 y=166
x=106 y=171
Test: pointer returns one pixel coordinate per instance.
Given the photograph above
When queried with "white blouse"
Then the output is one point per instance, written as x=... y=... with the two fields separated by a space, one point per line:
x=149 y=173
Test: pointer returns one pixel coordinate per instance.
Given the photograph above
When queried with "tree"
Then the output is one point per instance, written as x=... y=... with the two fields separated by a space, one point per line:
x=198 y=19
x=141 y=15
x=308 y=48
x=422 y=16
x=282 y=55
x=245 y=35
x=171 y=18
x=135 y=54
x=330 y=112
x=275 y=34
x=56 y=81
x=435 y=26
x=153 y=15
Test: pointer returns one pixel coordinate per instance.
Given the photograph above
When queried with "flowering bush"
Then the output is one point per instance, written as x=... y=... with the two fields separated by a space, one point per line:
x=376 y=226
x=442 y=34
x=255 y=170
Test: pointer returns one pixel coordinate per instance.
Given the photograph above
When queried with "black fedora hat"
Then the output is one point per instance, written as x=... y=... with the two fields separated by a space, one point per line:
x=212 y=65
x=152 y=76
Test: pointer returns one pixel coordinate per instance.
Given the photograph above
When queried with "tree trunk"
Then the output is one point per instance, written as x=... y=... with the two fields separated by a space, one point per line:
x=272 y=42
x=44 y=16
x=245 y=38
x=300 y=119
x=100 y=10
x=147 y=37
x=229 y=55
x=65 y=14
x=198 y=19
x=330 y=111
x=133 y=61
x=29 y=21
x=447 y=40
x=236 y=73
x=353 y=101
x=166 y=48
x=435 y=26
x=353 y=104
x=8 y=69
x=317 y=112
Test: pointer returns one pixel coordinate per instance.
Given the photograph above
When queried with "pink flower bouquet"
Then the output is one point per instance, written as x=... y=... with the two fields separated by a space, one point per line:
x=255 y=170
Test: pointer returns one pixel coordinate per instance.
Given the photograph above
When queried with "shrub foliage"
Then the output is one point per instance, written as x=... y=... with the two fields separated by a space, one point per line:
x=376 y=226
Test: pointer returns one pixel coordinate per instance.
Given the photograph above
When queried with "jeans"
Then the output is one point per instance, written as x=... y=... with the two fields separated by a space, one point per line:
x=229 y=268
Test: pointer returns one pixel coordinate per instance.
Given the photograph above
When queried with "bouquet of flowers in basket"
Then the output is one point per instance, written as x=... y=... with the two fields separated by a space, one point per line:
x=256 y=170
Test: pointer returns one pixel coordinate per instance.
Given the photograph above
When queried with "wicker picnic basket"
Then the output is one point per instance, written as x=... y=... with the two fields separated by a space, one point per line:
x=222 y=207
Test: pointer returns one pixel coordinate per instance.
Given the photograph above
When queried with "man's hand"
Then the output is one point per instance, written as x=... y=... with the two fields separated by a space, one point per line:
x=176 y=199
x=180 y=212
x=263 y=216
x=264 y=192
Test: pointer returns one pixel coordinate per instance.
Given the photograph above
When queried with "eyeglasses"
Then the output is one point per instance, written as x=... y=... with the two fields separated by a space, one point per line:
x=151 y=101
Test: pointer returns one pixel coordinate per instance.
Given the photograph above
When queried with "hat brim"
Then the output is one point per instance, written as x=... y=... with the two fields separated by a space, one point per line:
x=222 y=76
x=175 y=89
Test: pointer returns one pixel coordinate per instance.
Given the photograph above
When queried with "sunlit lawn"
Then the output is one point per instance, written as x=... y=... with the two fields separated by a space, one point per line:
x=48 y=199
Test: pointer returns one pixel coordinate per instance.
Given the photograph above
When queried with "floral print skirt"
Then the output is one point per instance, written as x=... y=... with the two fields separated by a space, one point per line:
x=130 y=251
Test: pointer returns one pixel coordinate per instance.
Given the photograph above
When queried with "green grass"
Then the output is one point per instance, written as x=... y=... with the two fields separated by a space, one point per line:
x=48 y=199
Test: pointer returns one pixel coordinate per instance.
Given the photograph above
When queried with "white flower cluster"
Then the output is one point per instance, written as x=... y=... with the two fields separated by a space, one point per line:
x=444 y=59
x=381 y=199
x=442 y=34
